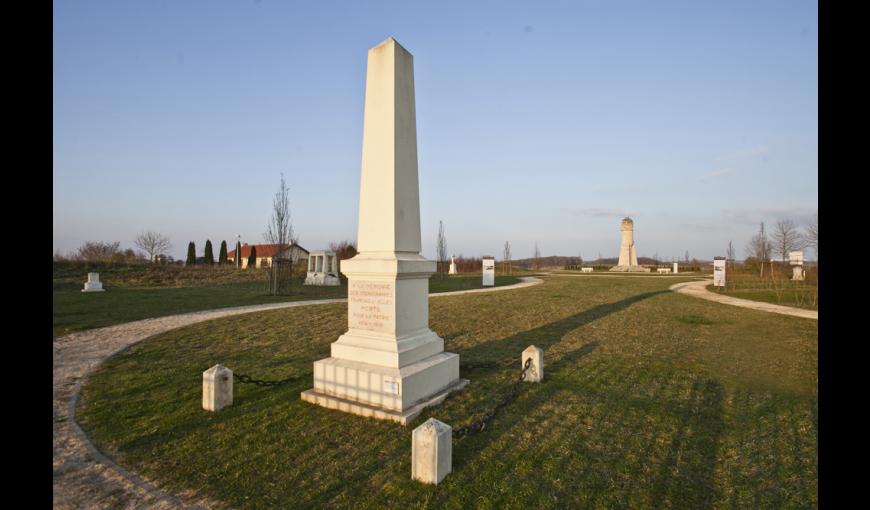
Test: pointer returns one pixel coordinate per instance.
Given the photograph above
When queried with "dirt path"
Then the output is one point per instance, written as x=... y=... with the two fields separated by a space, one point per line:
x=698 y=289
x=84 y=477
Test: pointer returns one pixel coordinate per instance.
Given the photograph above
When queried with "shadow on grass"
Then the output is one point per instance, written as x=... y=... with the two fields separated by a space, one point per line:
x=685 y=477
x=549 y=334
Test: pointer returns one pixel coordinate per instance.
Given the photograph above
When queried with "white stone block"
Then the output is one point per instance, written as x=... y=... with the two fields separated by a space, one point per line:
x=586 y=269
x=217 y=388
x=93 y=284
x=431 y=451
x=797 y=273
x=536 y=371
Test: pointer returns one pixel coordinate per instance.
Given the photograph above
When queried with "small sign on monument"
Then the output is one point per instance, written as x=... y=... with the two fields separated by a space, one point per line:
x=488 y=272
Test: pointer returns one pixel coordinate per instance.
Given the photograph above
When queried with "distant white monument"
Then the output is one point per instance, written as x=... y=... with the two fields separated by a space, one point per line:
x=796 y=259
x=322 y=268
x=627 y=250
x=586 y=269
x=93 y=284
x=676 y=268
x=488 y=272
x=389 y=364
x=452 y=266
x=719 y=271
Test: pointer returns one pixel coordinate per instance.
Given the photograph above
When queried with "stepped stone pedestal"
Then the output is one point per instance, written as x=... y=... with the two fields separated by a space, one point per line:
x=388 y=364
x=93 y=284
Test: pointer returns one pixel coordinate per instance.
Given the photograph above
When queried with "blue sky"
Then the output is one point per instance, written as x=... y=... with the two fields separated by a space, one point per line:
x=536 y=122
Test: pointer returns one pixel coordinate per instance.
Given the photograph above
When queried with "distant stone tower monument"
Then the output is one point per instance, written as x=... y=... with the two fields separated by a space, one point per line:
x=627 y=251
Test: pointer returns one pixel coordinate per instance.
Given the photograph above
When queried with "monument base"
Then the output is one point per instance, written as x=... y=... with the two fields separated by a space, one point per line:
x=93 y=287
x=630 y=269
x=397 y=394
x=370 y=411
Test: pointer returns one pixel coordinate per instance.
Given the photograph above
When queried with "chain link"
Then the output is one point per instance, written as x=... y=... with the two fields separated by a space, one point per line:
x=480 y=423
x=246 y=379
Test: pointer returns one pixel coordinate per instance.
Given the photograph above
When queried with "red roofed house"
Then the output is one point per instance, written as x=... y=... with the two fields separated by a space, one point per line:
x=266 y=252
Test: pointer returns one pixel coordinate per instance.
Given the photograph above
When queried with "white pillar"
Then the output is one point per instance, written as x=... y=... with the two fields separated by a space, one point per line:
x=217 y=388
x=431 y=451
x=389 y=364
x=536 y=371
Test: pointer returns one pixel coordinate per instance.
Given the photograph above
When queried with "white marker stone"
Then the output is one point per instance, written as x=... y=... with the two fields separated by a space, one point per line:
x=797 y=273
x=93 y=284
x=488 y=272
x=676 y=268
x=536 y=371
x=217 y=388
x=431 y=451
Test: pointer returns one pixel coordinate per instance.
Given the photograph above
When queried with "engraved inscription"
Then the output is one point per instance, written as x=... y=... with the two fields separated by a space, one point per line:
x=370 y=305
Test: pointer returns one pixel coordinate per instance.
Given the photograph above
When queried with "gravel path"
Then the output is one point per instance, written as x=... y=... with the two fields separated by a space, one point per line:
x=85 y=477
x=698 y=289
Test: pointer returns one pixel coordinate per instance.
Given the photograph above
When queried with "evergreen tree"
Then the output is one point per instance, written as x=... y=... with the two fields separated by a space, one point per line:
x=191 y=254
x=252 y=259
x=209 y=254
x=238 y=259
x=222 y=257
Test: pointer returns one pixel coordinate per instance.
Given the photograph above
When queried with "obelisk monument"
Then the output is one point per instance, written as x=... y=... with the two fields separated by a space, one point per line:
x=389 y=364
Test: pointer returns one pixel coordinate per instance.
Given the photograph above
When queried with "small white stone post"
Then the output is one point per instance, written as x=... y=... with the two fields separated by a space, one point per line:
x=431 y=451
x=217 y=388
x=536 y=371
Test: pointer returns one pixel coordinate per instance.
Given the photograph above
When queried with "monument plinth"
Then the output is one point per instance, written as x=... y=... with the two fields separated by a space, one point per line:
x=389 y=364
x=93 y=284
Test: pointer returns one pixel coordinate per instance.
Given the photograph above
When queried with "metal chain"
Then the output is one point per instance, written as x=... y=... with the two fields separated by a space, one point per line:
x=246 y=379
x=480 y=423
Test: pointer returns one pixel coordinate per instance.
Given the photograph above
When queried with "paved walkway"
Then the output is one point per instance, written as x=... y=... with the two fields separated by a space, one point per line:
x=84 y=477
x=699 y=289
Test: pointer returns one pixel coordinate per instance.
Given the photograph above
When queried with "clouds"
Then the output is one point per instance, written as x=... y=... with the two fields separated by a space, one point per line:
x=717 y=173
x=598 y=212
x=799 y=215
x=731 y=163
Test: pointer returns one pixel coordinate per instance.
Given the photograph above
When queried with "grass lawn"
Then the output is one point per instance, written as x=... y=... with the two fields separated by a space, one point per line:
x=789 y=294
x=651 y=399
x=76 y=311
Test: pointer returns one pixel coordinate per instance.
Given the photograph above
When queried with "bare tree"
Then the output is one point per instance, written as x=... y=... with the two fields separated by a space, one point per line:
x=786 y=238
x=280 y=229
x=729 y=254
x=759 y=247
x=507 y=256
x=537 y=257
x=93 y=251
x=343 y=250
x=812 y=234
x=441 y=248
x=153 y=243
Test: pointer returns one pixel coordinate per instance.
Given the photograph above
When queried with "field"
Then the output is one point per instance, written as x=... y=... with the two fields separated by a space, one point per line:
x=651 y=399
x=136 y=294
x=778 y=289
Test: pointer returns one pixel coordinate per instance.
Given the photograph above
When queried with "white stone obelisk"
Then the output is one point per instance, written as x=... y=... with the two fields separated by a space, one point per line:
x=389 y=364
x=627 y=249
x=627 y=253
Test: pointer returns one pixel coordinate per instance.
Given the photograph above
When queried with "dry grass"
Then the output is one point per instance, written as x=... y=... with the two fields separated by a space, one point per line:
x=650 y=400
